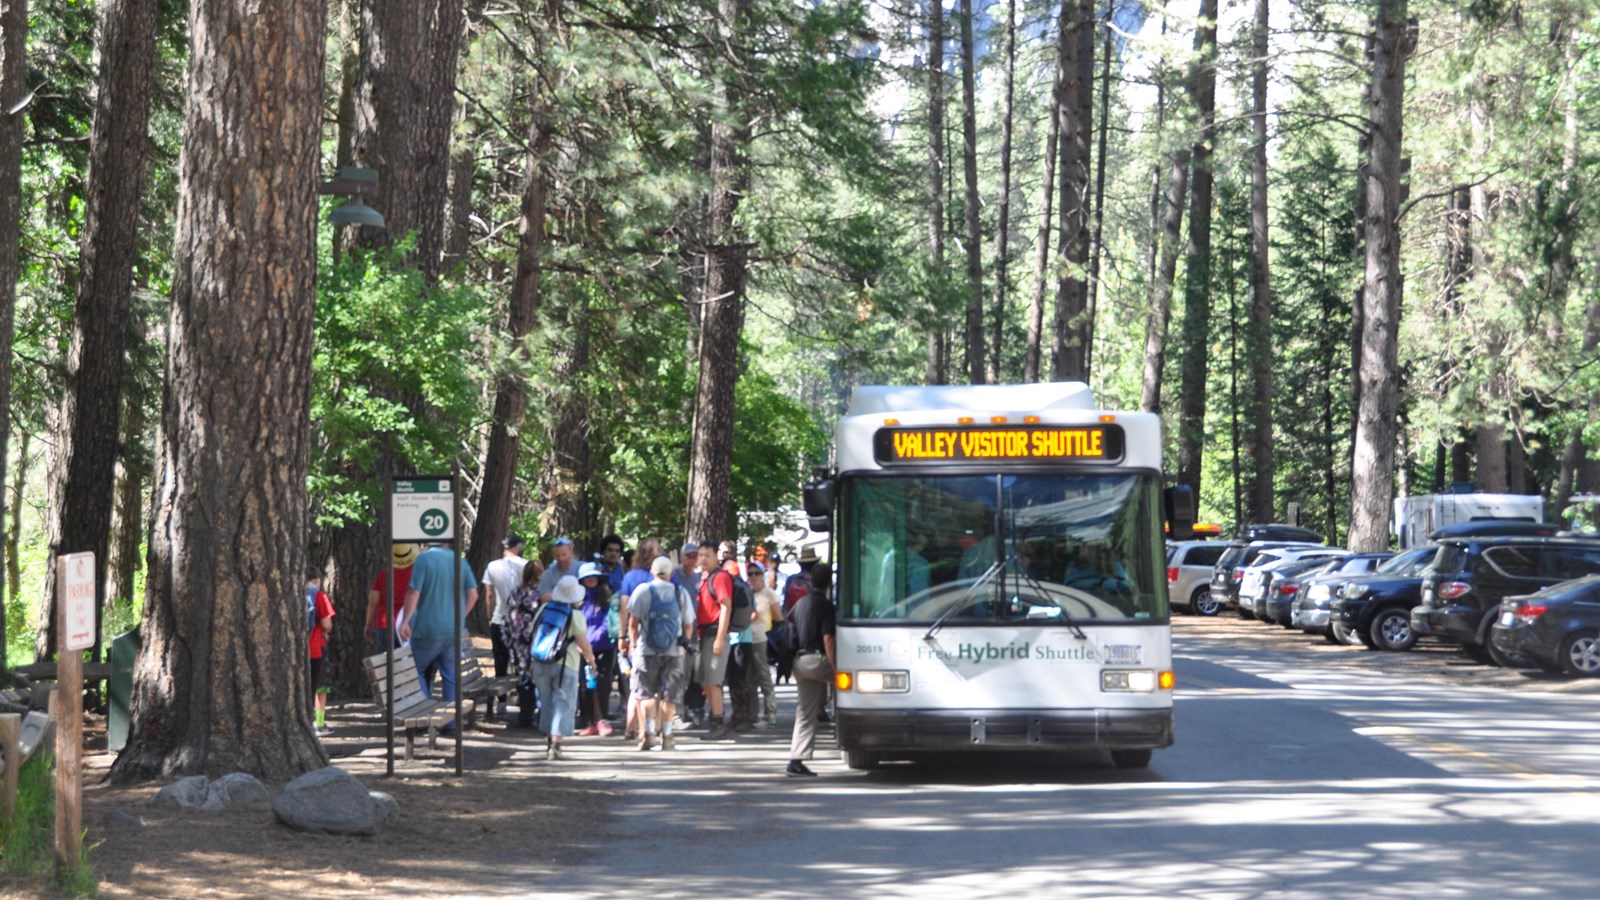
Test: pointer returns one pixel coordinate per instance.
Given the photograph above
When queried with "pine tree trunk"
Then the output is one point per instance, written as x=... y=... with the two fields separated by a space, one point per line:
x=221 y=684
x=937 y=371
x=1159 y=313
x=1197 y=269
x=969 y=164
x=1263 y=500
x=1032 y=361
x=1069 y=351
x=710 y=512
x=129 y=517
x=83 y=461
x=1376 y=426
x=1096 y=245
x=564 y=481
x=13 y=87
x=1002 y=278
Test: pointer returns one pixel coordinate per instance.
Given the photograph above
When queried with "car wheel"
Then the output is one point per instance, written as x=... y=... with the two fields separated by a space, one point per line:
x=1478 y=653
x=1391 y=630
x=1580 y=655
x=863 y=760
x=1331 y=636
x=1342 y=634
x=1131 y=759
x=1202 y=603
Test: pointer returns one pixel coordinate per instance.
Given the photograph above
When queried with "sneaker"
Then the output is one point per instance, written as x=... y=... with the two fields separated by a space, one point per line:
x=324 y=730
x=605 y=729
x=644 y=742
x=797 y=769
x=549 y=753
x=717 y=732
x=591 y=731
x=668 y=742
x=555 y=753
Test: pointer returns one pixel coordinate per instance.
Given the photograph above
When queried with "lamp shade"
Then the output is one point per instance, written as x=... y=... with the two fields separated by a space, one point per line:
x=355 y=212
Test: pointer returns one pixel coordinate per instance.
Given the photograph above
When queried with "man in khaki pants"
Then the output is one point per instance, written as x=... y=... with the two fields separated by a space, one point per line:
x=813 y=620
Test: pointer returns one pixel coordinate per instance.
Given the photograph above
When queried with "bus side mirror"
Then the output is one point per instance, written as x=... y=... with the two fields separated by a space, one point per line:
x=1179 y=505
x=817 y=498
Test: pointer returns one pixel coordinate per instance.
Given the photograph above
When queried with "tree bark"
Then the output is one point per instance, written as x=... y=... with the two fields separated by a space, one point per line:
x=937 y=353
x=84 y=459
x=1263 y=500
x=1159 y=312
x=1002 y=278
x=1069 y=347
x=1197 y=269
x=564 y=482
x=522 y=312
x=221 y=684
x=1032 y=361
x=13 y=87
x=1373 y=476
x=969 y=165
x=128 y=516
x=1096 y=245
x=710 y=509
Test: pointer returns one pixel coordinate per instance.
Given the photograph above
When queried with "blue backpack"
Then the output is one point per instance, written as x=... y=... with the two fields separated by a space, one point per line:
x=664 y=623
x=550 y=633
x=311 y=609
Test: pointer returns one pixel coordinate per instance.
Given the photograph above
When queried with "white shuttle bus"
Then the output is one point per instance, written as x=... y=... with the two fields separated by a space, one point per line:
x=998 y=573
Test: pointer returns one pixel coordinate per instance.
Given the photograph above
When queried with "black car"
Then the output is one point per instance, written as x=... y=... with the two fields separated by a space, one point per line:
x=1225 y=577
x=1376 y=609
x=1470 y=576
x=1283 y=588
x=1495 y=528
x=1557 y=629
x=1275 y=532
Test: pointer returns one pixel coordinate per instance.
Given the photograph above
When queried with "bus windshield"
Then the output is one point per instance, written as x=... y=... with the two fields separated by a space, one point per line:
x=1011 y=548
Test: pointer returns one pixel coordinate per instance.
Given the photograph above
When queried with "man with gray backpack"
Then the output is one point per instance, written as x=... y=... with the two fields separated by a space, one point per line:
x=661 y=622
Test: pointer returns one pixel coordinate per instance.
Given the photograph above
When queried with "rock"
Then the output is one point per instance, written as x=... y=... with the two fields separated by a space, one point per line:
x=330 y=801
x=185 y=793
x=239 y=789
x=387 y=805
x=119 y=817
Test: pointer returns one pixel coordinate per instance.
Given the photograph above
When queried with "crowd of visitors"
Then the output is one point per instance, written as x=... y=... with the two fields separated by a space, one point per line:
x=684 y=646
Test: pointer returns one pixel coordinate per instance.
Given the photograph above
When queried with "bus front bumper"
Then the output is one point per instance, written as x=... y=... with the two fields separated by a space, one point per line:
x=1011 y=729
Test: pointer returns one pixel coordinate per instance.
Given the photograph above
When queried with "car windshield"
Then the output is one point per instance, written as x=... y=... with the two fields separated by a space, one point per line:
x=1408 y=563
x=1042 y=548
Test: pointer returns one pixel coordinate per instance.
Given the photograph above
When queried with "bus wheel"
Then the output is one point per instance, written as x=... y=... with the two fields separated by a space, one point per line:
x=1131 y=759
x=863 y=760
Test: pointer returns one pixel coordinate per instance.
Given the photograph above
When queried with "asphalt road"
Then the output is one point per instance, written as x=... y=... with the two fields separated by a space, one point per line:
x=1300 y=769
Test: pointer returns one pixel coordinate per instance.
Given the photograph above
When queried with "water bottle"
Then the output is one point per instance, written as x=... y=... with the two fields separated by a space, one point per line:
x=590 y=679
x=626 y=665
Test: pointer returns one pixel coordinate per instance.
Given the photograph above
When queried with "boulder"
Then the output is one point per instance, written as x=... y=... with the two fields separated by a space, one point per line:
x=118 y=817
x=328 y=801
x=387 y=805
x=238 y=789
x=187 y=793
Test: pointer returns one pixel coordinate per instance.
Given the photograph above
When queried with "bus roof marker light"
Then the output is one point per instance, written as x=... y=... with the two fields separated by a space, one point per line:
x=1108 y=419
x=997 y=420
x=1030 y=420
x=891 y=421
x=964 y=420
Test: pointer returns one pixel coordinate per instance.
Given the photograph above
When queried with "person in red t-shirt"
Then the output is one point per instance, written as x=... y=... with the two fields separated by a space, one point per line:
x=320 y=610
x=378 y=612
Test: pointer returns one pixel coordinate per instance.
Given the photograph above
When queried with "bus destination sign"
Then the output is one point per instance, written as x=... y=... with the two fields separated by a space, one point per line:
x=998 y=444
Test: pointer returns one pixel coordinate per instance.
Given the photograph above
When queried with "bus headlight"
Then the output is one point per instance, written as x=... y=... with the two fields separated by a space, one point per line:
x=1139 y=681
x=880 y=682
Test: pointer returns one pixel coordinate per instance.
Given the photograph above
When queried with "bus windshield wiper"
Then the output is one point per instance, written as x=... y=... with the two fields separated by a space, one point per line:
x=962 y=603
x=983 y=579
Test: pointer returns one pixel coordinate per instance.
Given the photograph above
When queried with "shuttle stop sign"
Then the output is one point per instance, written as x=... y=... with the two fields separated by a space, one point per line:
x=77 y=585
x=423 y=509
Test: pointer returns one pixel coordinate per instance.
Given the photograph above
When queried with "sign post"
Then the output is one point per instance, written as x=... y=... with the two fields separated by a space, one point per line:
x=75 y=630
x=424 y=509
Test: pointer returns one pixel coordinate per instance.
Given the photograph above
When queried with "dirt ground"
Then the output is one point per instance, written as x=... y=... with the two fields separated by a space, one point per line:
x=450 y=836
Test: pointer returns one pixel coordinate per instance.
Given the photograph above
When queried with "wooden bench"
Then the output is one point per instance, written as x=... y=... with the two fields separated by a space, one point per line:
x=37 y=729
x=473 y=681
x=414 y=712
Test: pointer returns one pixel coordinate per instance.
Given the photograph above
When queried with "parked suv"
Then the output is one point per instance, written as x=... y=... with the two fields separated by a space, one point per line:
x=1469 y=577
x=1230 y=568
x=1275 y=532
x=1376 y=609
x=1312 y=609
x=1189 y=565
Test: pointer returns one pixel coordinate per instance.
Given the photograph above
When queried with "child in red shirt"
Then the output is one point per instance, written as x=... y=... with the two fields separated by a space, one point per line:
x=319 y=609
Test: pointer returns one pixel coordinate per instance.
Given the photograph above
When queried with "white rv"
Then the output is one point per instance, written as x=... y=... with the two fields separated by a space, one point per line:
x=1417 y=517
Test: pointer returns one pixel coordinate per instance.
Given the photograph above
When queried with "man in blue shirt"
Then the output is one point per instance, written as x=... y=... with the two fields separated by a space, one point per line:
x=428 y=624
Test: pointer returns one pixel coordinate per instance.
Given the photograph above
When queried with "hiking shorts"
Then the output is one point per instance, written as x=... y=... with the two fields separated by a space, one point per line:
x=710 y=669
x=658 y=676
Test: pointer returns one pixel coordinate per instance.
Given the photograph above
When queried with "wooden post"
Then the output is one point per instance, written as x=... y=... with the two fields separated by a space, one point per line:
x=75 y=604
x=11 y=752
